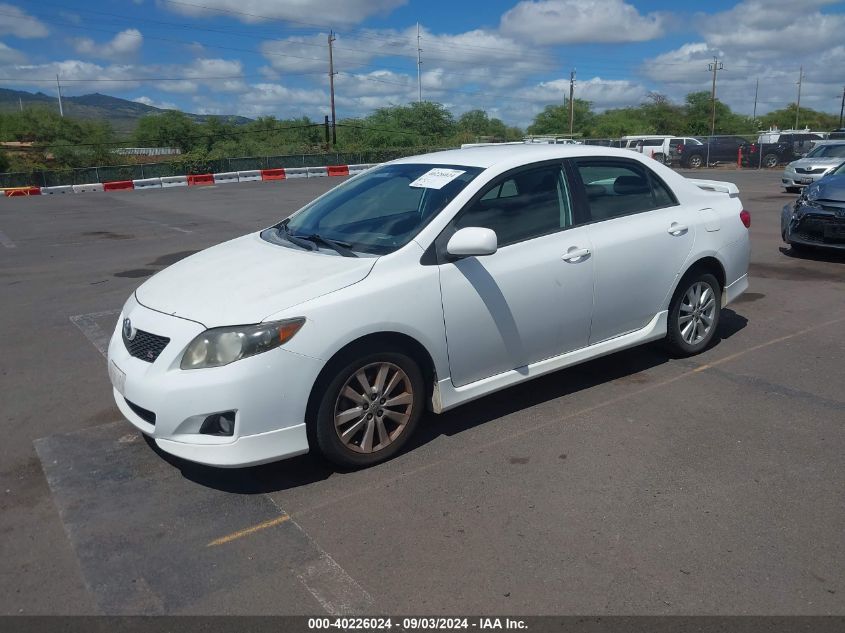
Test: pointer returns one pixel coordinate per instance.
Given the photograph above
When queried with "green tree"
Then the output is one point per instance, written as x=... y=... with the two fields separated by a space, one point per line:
x=554 y=119
x=4 y=162
x=169 y=129
x=784 y=119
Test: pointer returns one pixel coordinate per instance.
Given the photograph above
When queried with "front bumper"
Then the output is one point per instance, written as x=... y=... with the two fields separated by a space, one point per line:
x=791 y=178
x=815 y=227
x=268 y=393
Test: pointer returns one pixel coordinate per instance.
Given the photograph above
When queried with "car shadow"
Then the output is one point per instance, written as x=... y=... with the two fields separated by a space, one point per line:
x=628 y=365
x=827 y=255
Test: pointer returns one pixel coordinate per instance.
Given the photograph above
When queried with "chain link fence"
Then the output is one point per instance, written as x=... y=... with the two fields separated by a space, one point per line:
x=187 y=165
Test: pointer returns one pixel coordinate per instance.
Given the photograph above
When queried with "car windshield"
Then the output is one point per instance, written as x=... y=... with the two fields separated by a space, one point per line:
x=378 y=211
x=840 y=171
x=828 y=151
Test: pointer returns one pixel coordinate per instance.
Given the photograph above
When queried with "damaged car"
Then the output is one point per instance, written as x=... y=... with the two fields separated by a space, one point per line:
x=817 y=218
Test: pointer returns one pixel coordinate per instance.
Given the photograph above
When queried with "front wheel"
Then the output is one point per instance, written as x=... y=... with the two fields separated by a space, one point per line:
x=694 y=314
x=369 y=409
x=770 y=160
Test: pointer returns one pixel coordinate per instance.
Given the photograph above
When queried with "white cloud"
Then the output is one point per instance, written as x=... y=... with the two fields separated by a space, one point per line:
x=14 y=21
x=125 y=44
x=10 y=55
x=220 y=75
x=337 y=12
x=163 y=105
x=579 y=21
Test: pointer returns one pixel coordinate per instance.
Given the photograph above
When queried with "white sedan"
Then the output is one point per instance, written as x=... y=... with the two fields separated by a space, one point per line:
x=423 y=283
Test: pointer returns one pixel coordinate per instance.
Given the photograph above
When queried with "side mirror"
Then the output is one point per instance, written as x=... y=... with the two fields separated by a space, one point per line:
x=472 y=241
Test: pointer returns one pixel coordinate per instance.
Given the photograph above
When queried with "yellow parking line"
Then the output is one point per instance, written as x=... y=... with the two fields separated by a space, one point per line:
x=250 y=530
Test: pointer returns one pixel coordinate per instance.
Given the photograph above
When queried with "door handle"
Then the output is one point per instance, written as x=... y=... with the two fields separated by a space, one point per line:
x=574 y=254
x=677 y=229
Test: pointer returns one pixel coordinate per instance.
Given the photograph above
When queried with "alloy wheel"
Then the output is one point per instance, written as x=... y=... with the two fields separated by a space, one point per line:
x=697 y=312
x=373 y=407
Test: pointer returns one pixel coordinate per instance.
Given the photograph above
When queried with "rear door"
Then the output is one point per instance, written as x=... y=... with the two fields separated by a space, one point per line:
x=641 y=237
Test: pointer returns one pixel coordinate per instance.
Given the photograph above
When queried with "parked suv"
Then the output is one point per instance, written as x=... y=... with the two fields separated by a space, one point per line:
x=776 y=148
x=718 y=149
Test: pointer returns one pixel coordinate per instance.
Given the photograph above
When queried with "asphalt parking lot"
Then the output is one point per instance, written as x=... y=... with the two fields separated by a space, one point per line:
x=633 y=484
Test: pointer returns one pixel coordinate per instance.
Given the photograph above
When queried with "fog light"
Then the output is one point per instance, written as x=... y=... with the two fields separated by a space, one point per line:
x=222 y=424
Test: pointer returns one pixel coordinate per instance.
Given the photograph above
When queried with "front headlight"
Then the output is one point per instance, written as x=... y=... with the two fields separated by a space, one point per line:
x=224 y=345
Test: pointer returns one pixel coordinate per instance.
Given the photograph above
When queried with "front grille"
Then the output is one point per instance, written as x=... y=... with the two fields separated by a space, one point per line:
x=145 y=346
x=812 y=229
x=811 y=170
x=145 y=414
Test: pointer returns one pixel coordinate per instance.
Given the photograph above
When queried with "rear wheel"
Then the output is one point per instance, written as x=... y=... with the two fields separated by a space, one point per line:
x=695 y=161
x=770 y=160
x=369 y=409
x=694 y=314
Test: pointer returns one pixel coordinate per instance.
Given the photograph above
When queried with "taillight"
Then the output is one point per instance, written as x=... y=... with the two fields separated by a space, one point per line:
x=752 y=149
x=680 y=148
x=745 y=216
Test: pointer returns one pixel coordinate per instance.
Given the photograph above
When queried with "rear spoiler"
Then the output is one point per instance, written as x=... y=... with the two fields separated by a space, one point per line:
x=718 y=186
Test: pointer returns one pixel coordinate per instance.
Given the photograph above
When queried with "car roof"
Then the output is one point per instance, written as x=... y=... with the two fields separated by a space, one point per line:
x=514 y=155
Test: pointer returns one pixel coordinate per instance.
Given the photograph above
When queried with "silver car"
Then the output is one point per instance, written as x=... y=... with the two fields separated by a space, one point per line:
x=821 y=160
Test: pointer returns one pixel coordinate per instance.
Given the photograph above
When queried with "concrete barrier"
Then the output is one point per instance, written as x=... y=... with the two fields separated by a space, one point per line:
x=296 y=172
x=317 y=172
x=46 y=191
x=118 y=185
x=195 y=180
x=174 y=181
x=225 y=177
x=249 y=176
x=273 y=174
x=338 y=170
x=357 y=169
x=147 y=183
x=91 y=186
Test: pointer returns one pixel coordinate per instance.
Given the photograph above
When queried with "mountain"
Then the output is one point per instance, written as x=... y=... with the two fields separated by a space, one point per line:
x=121 y=113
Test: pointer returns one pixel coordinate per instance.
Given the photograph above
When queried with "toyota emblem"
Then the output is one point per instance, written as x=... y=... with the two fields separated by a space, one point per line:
x=129 y=332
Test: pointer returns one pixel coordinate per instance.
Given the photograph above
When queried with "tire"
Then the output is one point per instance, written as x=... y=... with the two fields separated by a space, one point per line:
x=695 y=161
x=372 y=429
x=687 y=309
x=660 y=157
x=770 y=160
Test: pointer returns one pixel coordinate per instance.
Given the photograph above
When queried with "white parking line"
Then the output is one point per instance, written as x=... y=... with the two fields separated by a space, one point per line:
x=166 y=226
x=336 y=591
x=87 y=323
x=5 y=241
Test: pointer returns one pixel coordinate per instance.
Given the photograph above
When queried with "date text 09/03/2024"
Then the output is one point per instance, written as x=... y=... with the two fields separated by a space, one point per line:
x=420 y=623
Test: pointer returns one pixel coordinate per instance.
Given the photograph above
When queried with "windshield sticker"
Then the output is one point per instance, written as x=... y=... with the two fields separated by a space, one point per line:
x=437 y=178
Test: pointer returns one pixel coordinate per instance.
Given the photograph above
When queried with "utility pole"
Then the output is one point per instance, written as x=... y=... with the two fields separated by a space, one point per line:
x=756 y=90
x=842 y=107
x=715 y=67
x=419 y=64
x=20 y=105
x=571 y=100
x=331 y=88
x=59 y=91
x=798 y=103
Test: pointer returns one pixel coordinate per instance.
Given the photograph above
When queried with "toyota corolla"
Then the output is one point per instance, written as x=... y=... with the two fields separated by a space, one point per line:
x=423 y=283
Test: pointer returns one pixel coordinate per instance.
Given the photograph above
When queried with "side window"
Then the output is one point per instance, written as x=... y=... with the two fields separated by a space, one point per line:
x=521 y=206
x=620 y=188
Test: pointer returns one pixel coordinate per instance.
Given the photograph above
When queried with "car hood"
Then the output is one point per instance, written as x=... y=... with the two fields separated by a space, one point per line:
x=816 y=162
x=247 y=279
x=828 y=188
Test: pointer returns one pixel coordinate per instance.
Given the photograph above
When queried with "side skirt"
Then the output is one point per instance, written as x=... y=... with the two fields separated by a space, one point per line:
x=448 y=396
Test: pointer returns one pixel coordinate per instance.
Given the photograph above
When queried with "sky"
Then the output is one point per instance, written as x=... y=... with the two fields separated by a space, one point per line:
x=510 y=58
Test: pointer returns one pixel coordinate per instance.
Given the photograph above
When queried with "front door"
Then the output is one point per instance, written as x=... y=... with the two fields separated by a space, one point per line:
x=524 y=303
